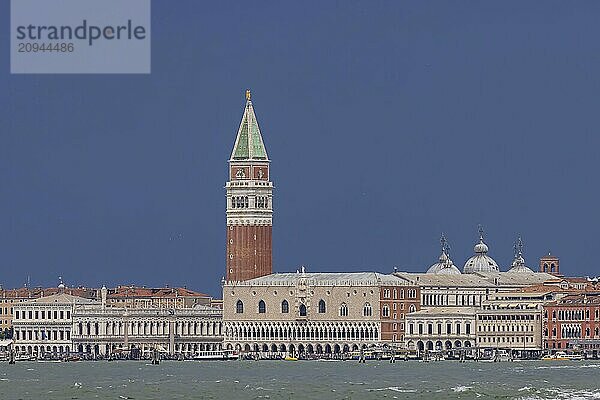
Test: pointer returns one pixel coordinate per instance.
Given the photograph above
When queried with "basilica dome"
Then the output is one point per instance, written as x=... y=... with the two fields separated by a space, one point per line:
x=480 y=262
x=449 y=269
x=444 y=266
x=438 y=265
x=518 y=264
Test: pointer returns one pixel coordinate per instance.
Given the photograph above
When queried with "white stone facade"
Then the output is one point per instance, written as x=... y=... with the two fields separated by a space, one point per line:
x=510 y=325
x=103 y=331
x=61 y=324
x=437 y=329
x=44 y=325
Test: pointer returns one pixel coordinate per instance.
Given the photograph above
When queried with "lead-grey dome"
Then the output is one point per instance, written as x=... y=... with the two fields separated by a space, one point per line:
x=444 y=266
x=480 y=262
x=518 y=264
x=449 y=269
x=438 y=265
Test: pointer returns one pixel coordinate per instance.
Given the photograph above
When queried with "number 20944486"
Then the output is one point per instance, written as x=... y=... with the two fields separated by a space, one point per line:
x=45 y=47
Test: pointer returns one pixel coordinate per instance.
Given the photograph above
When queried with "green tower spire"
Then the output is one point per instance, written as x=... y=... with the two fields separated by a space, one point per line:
x=249 y=143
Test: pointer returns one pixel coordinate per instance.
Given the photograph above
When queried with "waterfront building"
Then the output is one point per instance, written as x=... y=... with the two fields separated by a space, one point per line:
x=513 y=325
x=61 y=323
x=573 y=323
x=11 y=297
x=99 y=330
x=130 y=296
x=44 y=325
x=249 y=203
x=320 y=313
x=396 y=301
x=436 y=329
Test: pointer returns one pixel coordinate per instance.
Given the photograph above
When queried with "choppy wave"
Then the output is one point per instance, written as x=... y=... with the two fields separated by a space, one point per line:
x=461 y=388
x=528 y=381
x=393 y=389
x=563 y=394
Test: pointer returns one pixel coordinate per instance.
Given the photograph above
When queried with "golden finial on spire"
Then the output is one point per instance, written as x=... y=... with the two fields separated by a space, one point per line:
x=248 y=94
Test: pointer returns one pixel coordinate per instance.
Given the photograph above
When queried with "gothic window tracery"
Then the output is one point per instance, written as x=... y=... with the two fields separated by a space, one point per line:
x=344 y=310
x=367 y=310
x=321 y=306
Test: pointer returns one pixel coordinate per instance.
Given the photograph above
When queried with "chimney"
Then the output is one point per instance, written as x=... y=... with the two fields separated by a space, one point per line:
x=104 y=293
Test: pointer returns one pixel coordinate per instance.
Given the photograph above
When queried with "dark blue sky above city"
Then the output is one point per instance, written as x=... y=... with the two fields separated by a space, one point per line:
x=386 y=123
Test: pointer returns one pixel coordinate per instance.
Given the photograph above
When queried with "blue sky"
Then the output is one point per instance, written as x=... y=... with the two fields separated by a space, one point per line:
x=386 y=122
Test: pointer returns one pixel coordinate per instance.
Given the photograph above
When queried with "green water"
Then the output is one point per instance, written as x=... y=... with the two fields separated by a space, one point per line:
x=300 y=380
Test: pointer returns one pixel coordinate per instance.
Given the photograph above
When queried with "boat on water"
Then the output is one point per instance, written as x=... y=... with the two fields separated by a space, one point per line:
x=503 y=356
x=366 y=355
x=497 y=356
x=25 y=357
x=216 y=355
x=562 y=356
x=290 y=358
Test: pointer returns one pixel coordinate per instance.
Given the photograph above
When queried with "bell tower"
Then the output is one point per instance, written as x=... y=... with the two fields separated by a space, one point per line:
x=249 y=203
x=550 y=264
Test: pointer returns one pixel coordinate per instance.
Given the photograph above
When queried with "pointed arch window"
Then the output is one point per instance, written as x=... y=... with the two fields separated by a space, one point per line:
x=285 y=307
x=262 y=307
x=344 y=310
x=367 y=310
x=322 y=307
x=239 y=307
x=302 y=310
x=385 y=311
x=412 y=308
